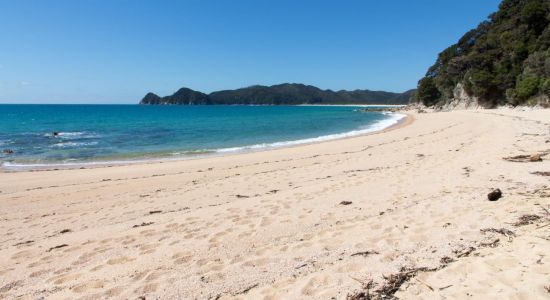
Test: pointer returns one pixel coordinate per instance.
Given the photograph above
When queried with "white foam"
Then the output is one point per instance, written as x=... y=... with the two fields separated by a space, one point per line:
x=73 y=135
x=73 y=144
x=380 y=125
x=77 y=133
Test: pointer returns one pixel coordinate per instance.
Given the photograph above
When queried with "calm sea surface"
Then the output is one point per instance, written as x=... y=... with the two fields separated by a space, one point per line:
x=89 y=134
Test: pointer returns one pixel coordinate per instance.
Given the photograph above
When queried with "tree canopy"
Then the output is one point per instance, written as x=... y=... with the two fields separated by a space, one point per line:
x=505 y=60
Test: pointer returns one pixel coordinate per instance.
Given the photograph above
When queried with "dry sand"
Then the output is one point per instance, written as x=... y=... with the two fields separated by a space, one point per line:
x=271 y=224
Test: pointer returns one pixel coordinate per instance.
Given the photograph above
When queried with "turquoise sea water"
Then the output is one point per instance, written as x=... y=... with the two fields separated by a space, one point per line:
x=90 y=134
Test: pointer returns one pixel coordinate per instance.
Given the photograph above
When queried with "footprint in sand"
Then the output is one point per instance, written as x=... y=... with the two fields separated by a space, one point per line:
x=97 y=268
x=61 y=279
x=181 y=258
x=128 y=240
x=139 y=276
x=236 y=259
x=174 y=243
x=266 y=221
x=303 y=245
x=40 y=273
x=87 y=286
x=149 y=232
x=256 y=262
x=119 y=260
x=102 y=249
x=22 y=254
x=113 y=292
x=84 y=258
x=148 y=248
x=172 y=225
x=148 y=288
x=314 y=284
x=155 y=275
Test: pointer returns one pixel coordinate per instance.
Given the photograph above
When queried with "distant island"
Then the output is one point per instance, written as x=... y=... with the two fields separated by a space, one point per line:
x=281 y=94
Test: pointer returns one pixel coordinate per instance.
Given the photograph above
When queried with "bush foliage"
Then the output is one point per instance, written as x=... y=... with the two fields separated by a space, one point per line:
x=505 y=60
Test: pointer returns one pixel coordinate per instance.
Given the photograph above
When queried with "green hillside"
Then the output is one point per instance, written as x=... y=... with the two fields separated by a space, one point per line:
x=505 y=60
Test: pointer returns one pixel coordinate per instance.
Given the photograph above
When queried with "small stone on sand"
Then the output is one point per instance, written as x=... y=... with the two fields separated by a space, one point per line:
x=494 y=195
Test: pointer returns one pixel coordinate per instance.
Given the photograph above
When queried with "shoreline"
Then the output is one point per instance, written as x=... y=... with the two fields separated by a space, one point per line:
x=403 y=121
x=355 y=105
x=316 y=221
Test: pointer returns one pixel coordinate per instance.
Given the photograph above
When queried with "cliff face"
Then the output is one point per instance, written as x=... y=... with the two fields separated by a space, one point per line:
x=461 y=100
x=282 y=94
x=504 y=61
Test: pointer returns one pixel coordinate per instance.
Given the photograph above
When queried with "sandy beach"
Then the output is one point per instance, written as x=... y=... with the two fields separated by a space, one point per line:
x=401 y=212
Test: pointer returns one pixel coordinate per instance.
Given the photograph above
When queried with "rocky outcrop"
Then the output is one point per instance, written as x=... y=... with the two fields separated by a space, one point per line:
x=461 y=100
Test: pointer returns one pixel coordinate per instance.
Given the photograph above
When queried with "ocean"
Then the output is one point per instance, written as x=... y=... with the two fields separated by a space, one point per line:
x=41 y=136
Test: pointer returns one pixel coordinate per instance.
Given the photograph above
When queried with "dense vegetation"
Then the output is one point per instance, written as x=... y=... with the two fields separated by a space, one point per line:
x=287 y=93
x=505 y=60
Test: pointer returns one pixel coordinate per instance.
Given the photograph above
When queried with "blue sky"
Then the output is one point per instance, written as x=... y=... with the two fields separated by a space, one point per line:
x=78 y=51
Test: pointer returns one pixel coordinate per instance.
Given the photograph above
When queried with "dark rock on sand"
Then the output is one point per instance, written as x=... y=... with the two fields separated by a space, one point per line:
x=535 y=158
x=57 y=247
x=527 y=219
x=346 y=203
x=143 y=224
x=494 y=195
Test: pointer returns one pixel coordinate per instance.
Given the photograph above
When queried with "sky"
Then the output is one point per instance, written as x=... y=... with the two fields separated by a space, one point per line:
x=115 y=51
